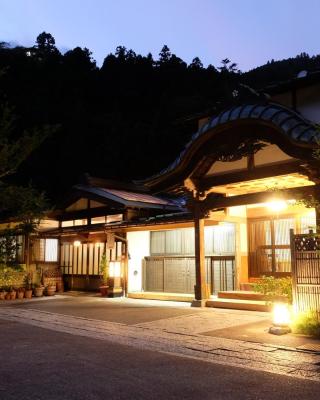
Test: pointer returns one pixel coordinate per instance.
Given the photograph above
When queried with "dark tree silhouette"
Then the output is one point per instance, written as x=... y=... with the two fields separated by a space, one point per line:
x=125 y=120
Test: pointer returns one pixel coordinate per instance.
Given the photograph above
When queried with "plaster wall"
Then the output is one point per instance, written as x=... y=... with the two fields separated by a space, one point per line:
x=138 y=247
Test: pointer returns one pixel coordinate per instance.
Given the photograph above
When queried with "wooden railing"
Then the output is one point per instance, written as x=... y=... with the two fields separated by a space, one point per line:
x=305 y=256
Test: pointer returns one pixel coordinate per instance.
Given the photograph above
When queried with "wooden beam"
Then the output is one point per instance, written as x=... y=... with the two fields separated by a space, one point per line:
x=201 y=291
x=267 y=171
x=213 y=202
x=88 y=213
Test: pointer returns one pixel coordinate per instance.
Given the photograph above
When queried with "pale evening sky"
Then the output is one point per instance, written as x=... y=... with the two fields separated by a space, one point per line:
x=249 y=32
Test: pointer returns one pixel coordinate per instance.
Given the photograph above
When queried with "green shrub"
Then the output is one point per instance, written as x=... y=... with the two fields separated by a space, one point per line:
x=104 y=269
x=11 y=277
x=273 y=288
x=307 y=323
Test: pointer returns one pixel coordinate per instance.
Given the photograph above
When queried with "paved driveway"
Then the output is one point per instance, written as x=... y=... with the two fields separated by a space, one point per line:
x=214 y=335
x=120 y=310
x=45 y=364
x=177 y=316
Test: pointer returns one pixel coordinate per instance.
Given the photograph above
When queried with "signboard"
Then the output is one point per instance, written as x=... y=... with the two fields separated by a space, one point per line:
x=110 y=240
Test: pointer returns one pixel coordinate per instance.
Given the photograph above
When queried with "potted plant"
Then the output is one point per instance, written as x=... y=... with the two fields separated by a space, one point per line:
x=60 y=285
x=38 y=290
x=28 y=291
x=104 y=273
x=13 y=293
x=50 y=289
x=3 y=294
x=20 y=293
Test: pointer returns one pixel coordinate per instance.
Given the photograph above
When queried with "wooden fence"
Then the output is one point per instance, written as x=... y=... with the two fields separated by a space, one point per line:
x=305 y=259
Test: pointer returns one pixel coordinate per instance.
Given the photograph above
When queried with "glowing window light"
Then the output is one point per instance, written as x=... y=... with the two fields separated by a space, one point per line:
x=281 y=315
x=77 y=243
x=114 y=269
x=277 y=205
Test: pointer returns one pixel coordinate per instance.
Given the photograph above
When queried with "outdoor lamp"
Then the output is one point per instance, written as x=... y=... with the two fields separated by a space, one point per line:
x=77 y=243
x=114 y=269
x=280 y=319
x=277 y=205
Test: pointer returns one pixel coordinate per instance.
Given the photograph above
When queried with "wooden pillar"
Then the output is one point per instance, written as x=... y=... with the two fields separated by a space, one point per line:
x=201 y=288
x=27 y=251
x=317 y=209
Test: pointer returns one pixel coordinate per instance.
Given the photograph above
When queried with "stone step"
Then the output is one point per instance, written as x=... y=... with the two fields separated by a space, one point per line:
x=185 y=297
x=247 y=286
x=242 y=295
x=250 y=305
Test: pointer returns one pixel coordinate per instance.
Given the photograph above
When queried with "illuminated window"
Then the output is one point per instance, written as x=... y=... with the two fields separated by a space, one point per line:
x=98 y=220
x=45 y=250
x=65 y=224
x=78 y=222
x=51 y=250
x=114 y=218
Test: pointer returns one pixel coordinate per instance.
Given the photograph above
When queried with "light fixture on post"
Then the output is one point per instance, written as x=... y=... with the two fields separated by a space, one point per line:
x=115 y=284
x=280 y=319
x=277 y=205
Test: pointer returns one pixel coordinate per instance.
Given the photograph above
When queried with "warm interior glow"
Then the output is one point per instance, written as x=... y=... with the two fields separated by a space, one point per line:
x=77 y=243
x=114 y=269
x=277 y=205
x=281 y=315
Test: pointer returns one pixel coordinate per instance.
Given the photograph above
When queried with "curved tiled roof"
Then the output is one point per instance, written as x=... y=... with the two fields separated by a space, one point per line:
x=291 y=124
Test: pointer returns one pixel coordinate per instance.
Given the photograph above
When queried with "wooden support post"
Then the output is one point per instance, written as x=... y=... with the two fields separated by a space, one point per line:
x=27 y=250
x=201 y=289
x=317 y=209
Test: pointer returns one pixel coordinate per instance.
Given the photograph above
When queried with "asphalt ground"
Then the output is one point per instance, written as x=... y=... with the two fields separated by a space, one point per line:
x=259 y=332
x=135 y=312
x=42 y=364
x=125 y=311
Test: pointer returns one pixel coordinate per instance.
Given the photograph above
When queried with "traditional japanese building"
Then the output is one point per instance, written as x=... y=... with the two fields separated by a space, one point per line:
x=214 y=220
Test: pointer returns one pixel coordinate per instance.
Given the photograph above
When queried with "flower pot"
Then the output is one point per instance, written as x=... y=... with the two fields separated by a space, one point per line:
x=60 y=287
x=13 y=295
x=3 y=295
x=50 y=290
x=20 y=295
x=28 y=293
x=38 y=291
x=104 y=290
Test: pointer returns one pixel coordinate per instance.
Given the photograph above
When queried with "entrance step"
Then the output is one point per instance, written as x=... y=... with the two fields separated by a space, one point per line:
x=242 y=295
x=249 y=295
x=247 y=286
x=250 y=305
x=162 y=296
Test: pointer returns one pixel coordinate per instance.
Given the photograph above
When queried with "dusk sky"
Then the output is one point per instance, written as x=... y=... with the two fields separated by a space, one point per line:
x=249 y=32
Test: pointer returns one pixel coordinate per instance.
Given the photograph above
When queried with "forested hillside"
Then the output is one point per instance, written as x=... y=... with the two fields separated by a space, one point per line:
x=125 y=120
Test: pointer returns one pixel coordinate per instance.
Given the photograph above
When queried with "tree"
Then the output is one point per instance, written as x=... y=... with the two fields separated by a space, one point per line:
x=164 y=55
x=26 y=204
x=79 y=60
x=121 y=53
x=14 y=149
x=228 y=66
x=196 y=64
x=8 y=249
x=46 y=43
